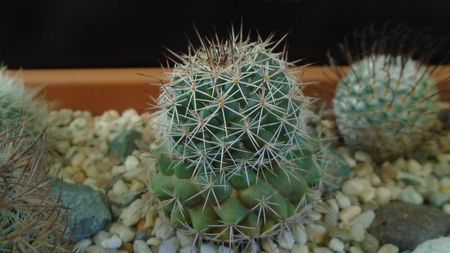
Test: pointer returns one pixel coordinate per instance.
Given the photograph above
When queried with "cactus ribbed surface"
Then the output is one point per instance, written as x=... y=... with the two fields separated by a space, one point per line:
x=386 y=105
x=240 y=162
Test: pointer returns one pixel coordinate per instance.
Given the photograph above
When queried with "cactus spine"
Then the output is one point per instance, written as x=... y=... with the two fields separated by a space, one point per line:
x=241 y=163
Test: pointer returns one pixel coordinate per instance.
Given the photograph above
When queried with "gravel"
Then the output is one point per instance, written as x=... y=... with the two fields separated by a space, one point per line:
x=83 y=141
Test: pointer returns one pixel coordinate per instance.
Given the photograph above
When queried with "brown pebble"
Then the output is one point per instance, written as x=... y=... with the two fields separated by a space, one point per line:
x=387 y=172
x=128 y=247
x=79 y=177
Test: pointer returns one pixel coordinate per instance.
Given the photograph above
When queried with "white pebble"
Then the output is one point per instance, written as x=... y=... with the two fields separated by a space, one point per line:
x=153 y=241
x=82 y=245
x=361 y=156
x=383 y=195
x=118 y=169
x=388 y=248
x=445 y=182
x=124 y=232
x=164 y=231
x=298 y=248
x=112 y=243
x=169 y=246
x=357 y=232
x=316 y=233
x=119 y=187
x=300 y=236
x=356 y=249
x=322 y=250
x=96 y=249
x=336 y=245
x=410 y=195
x=446 y=208
x=285 y=239
x=269 y=246
x=349 y=213
x=140 y=246
x=439 y=245
x=207 y=248
x=224 y=249
x=77 y=159
x=364 y=219
x=100 y=236
x=131 y=162
x=132 y=213
x=186 y=239
x=342 y=200
x=333 y=205
x=355 y=186
x=414 y=167
x=190 y=249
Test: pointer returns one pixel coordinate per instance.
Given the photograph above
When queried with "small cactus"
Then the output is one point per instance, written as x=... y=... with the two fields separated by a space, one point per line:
x=32 y=219
x=19 y=102
x=240 y=162
x=388 y=101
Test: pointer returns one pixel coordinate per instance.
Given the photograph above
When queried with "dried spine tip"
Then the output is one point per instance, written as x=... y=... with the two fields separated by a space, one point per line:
x=240 y=161
x=32 y=218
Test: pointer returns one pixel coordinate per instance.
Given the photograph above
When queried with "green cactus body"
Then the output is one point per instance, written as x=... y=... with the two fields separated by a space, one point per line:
x=236 y=126
x=19 y=103
x=385 y=105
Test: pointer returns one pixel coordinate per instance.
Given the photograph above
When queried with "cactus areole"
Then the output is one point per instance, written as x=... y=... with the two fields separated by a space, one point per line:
x=239 y=162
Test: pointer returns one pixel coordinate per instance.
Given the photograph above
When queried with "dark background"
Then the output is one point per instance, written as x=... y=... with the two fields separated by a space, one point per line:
x=134 y=33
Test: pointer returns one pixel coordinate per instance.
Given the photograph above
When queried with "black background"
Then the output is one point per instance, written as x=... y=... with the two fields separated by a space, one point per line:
x=133 y=33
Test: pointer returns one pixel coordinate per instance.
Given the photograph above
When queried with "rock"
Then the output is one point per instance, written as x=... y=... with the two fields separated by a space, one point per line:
x=153 y=241
x=438 y=199
x=124 y=232
x=407 y=225
x=170 y=245
x=112 y=243
x=298 y=248
x=208 y=248
x=132 y=213
x=224 y=249
x=100 y=236
x=299 y=234
x=141 y=235
x=410 y=195
x=342 y=200
x=446 y=209
x=361 y=156
x=370 y=244
x=357 y=232
x=388 y=248
x=141 y=247
x=349 y=213
x=354 y=186
x=89 y=211
x=316 y=233
x=95 y=249
x=163 y=230
x=336 y=245
x=269 y=246
x=285 y=239
x=186 y=239
x=189 y=249
x=82 y=245
x=382 y=195
x=439 y=245
x=356 y=249
x=364 y=219
x=321 y=250
x=124 y=143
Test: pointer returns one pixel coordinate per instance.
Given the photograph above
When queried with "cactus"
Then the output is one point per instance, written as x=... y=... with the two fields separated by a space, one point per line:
x=387 y=103
x=32 y=219
x=19 y=102
x=240 y=162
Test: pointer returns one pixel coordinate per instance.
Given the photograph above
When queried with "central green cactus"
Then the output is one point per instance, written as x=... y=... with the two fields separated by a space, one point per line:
x=240 y=161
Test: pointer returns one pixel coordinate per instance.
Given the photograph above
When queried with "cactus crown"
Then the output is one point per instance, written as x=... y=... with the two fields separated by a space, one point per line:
x=241 y=163
x=232 y=106
x=19 y=102
x=388 y=100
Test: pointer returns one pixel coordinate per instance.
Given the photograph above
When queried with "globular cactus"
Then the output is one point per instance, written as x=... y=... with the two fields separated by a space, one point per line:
x=32 y=218
x=241 y=163
x=388 y=101
x=18 y=102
